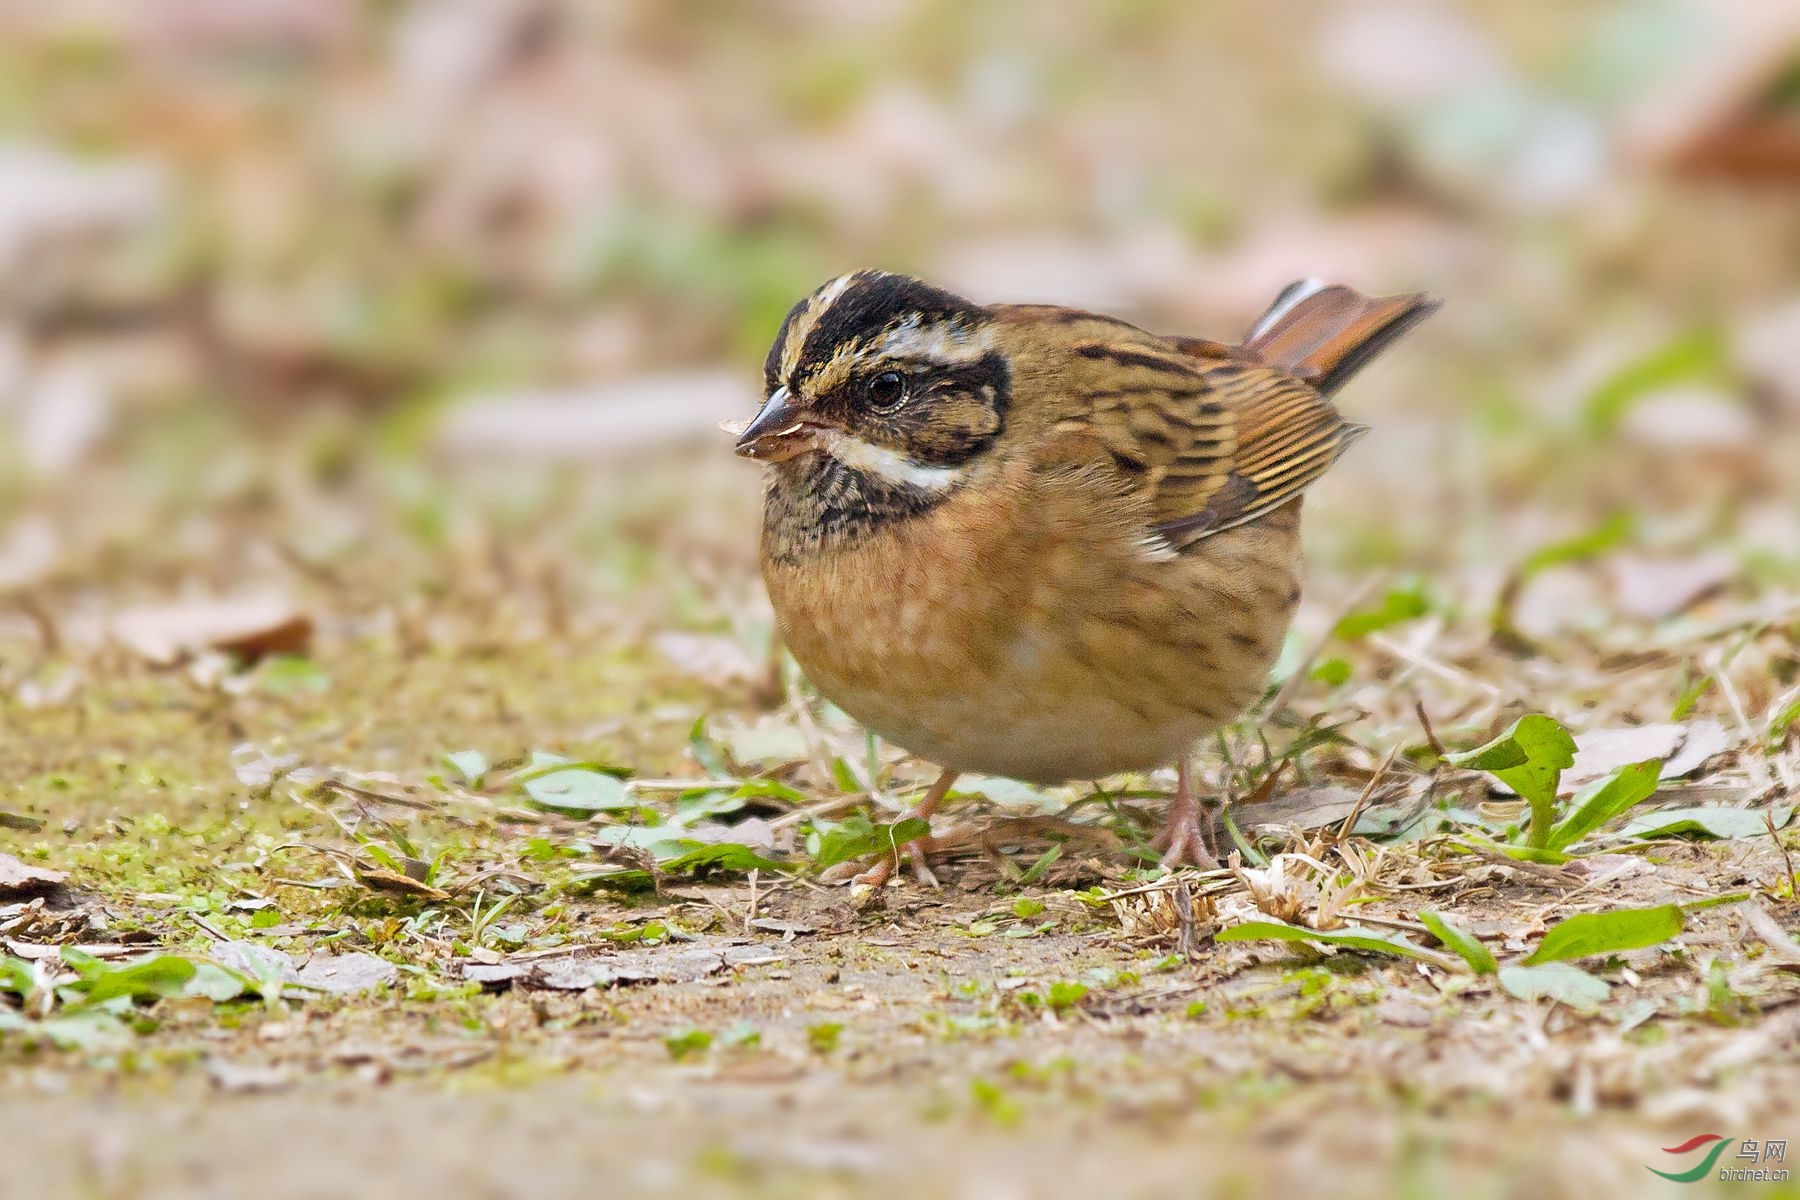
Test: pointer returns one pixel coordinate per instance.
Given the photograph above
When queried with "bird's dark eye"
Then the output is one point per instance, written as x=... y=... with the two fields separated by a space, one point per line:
x=886 y=391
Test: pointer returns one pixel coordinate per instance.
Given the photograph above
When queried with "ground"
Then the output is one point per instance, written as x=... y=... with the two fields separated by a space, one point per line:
x=401 y=792
x=1036 y=1020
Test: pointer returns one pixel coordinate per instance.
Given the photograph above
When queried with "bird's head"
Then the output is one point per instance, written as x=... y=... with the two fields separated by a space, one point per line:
x=885 y=375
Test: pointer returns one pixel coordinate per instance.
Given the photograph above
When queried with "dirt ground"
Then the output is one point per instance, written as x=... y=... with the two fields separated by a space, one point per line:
x=401 y=792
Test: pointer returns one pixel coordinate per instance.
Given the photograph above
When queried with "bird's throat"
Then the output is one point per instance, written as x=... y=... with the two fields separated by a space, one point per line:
x=819 y=504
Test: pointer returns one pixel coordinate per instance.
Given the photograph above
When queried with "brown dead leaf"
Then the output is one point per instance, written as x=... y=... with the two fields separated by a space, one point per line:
x=21 y=879
x=248 y=628
x=378 y=880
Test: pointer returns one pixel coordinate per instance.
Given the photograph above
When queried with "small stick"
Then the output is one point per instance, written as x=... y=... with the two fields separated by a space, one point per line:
x=1431 y=736
x=1362 y=800
x=1786 y=860
x=212 y=932
x=1716 y=668
x=1432 y=666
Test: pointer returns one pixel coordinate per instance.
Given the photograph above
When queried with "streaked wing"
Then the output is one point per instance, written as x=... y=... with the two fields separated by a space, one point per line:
x=1288 y=435
x=1210 y=441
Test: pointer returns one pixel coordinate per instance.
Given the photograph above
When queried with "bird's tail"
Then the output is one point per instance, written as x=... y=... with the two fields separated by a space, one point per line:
x=1324 y=333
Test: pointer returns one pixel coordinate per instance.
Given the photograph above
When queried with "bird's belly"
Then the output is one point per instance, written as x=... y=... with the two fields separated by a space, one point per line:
x=1029 y=728
x=1026 y=691
x=1044 y=652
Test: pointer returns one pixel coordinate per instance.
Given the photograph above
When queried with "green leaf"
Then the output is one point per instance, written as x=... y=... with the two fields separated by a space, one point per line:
x=1589 y=934
x=763 y=744
x=15 y=975
x=845 y=777
x=696 y=804
x=1351 y=938
x=1615 y=531
x=87 y=1030
x=770 y=789
x=472 y=765
x=1701 y=354
x=1781 y=722
x=857 y=837
x=146 y=978
x=706 y=751
x=1706 y=822
x=674 y=851
x=576 y=787
x=1604 y=799
x=216 y=983
x=721 y=856
x=688 y=1043
x=1479 y=957
x=1556 y=981
x=291 y=675
x=1333 y=672
x=1399 y=605
x=1530 y=758
x=1008 y=793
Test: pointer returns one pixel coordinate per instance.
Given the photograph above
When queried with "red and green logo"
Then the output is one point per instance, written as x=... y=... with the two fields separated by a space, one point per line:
x=1720 y=1143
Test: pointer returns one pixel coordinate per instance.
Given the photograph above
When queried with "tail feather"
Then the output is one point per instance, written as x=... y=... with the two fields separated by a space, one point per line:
x=1324 y=333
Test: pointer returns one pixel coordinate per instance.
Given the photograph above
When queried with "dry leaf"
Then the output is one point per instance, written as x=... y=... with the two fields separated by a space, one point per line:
x=658 y=964
x=343 y=974
x=249 y=628
x=717 y=660
x=1655 y=588
x=378 y=880
x=22 y=879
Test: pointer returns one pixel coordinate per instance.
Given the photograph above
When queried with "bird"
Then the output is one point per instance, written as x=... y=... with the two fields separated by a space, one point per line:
x=1031 y=541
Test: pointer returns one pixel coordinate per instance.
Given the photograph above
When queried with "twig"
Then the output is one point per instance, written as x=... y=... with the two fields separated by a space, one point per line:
x=1432 y=666
x=1786 y=860
x=1184 y=911
x=1764 y=926
x=1349 y=824
x=1716 y=668
x=211 y=932
x=1431 y=736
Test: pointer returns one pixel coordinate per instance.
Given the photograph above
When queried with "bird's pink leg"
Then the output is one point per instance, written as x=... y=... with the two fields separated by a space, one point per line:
x=878 y=875
x=1182 y=838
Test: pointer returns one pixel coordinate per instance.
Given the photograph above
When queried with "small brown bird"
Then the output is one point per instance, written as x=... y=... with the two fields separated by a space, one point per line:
x=1029 y=541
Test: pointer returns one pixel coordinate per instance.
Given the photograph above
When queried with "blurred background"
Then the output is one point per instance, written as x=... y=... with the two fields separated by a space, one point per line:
x=337 y=324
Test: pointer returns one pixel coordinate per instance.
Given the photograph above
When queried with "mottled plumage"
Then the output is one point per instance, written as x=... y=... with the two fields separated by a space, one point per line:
x=1034 y=542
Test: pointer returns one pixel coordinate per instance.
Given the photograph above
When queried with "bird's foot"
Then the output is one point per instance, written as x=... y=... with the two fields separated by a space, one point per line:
x=867 y=885
x=1182 y=839
x=877 y=876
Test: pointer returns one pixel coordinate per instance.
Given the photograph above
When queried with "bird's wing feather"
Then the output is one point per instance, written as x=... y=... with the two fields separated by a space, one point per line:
x=1208 y=442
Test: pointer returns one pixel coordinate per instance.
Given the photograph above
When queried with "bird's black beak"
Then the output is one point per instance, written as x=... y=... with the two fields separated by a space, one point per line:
x=777 y=432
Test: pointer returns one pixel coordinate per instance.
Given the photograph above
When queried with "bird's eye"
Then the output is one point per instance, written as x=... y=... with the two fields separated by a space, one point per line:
x=886 y=391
